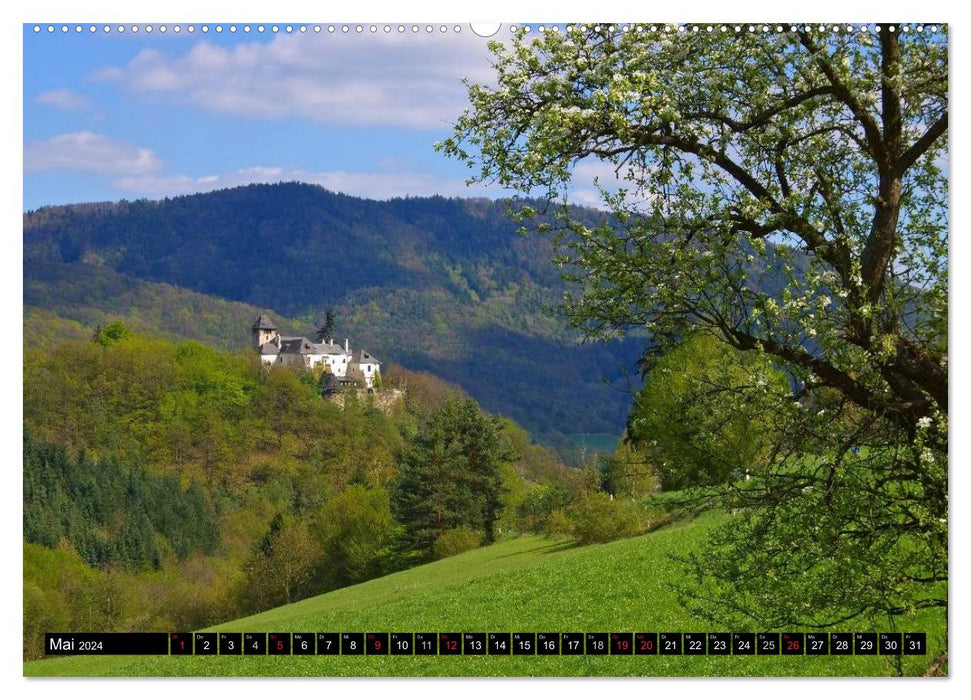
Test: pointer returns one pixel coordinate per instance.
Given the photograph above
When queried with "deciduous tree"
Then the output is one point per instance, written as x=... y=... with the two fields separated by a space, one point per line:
x=785 y=188
x=707 y=413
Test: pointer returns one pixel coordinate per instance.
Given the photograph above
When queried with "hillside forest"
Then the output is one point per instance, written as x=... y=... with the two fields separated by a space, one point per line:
x=447 y=286
x=172 y=485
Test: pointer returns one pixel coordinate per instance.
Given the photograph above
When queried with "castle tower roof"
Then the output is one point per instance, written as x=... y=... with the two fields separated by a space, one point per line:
x=363 y=356
x=263 y=323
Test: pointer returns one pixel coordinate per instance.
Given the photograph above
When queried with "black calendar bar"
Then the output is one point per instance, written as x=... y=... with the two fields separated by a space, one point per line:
x=105 y=643
x=243 y=644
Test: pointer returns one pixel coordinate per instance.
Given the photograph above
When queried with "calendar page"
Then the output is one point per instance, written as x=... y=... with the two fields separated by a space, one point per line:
x=514 y=349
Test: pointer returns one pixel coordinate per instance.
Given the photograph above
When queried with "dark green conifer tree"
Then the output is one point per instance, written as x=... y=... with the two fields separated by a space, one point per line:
x=450 y=478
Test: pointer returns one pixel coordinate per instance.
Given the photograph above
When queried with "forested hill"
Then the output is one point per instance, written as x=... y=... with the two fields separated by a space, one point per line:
x=443 y=285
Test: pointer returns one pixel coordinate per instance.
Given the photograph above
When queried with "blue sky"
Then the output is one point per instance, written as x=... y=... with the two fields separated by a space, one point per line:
x=111 y=115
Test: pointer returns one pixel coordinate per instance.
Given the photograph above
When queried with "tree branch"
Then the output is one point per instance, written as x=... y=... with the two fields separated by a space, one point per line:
x=765 y=115
x=866 y=120
x=920 y=146
x=834 y=377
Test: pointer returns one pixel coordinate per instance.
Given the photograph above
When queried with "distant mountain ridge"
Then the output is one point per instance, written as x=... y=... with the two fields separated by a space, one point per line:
x=441 y=285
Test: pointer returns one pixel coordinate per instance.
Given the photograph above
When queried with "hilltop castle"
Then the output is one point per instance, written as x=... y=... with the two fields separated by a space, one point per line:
x=345 y=366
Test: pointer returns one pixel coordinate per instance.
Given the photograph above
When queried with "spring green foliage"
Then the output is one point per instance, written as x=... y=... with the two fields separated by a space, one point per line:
x=61 y=592
x=281 y=567
x=358 y=534
x=112 y=333
x=706 y=413
x=457 y=540
x=848 y=542
x=600 y=518
x=441 y=285
x=619 y=586
x=167 y=405
x=785 y=191
x=742 y=159
x=178 y=485
x=541 y=503
x=628 y=472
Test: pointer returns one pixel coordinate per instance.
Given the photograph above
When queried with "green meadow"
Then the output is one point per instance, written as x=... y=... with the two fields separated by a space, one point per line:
x=528 y=583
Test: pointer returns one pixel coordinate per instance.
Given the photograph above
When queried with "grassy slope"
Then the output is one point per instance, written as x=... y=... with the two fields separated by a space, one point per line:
x=523 y=584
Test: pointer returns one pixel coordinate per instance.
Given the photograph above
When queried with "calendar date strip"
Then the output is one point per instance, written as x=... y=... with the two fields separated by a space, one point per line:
x=486 y=643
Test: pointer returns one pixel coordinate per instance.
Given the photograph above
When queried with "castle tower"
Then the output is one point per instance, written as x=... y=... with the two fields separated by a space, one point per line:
x=263 y=330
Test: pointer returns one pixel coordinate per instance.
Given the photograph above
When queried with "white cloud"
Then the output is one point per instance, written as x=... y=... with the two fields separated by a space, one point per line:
x=591 y=175
x=65 y=99
x=409 y=80
x=589 y=169
x=372 y=185
x=587 y=197
x=87 y=152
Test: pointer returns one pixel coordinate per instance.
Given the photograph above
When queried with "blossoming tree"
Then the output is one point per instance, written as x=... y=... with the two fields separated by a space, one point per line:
x=786 y=188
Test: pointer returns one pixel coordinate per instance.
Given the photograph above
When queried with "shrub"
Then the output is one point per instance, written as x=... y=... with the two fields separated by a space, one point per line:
x=539 y=503
x=706 y=415
x=557 y=524
x=598 y=518
x=111 y=334
x=356 y=532
x=457 y=540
